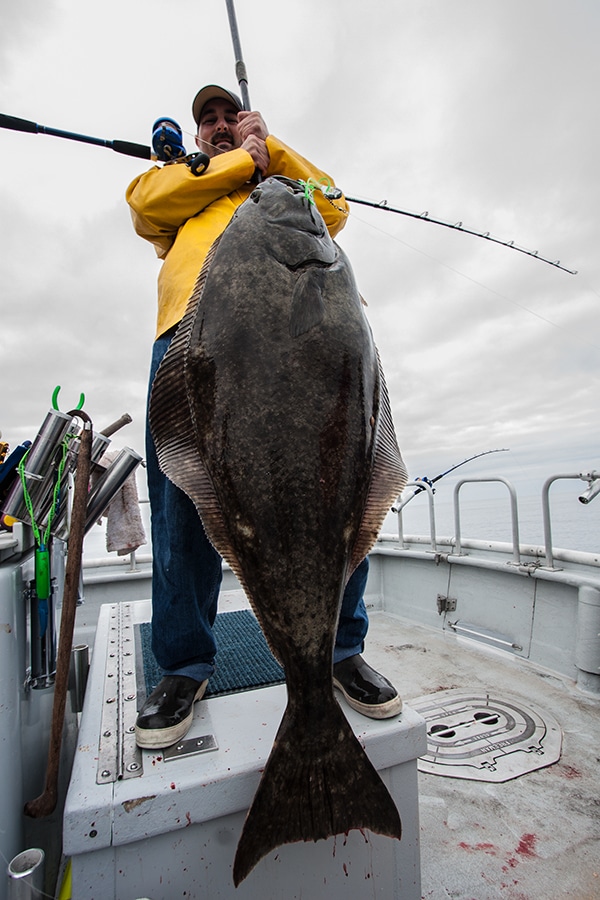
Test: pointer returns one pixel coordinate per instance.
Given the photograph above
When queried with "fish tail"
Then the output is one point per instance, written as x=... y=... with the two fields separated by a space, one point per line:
x=313 y=788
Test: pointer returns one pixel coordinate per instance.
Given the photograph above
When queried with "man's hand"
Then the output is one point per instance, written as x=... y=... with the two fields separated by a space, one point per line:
x=254 y=132
x=251 y=122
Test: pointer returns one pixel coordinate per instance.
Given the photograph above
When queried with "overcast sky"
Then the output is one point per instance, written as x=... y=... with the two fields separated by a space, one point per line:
x=480 y=112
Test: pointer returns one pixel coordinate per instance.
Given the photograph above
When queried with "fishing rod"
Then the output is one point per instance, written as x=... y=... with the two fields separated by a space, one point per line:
x=432 y=481
x=334 y=194
x=125 y=147
x=458 y=226
x=240 y=66
x=167 y=147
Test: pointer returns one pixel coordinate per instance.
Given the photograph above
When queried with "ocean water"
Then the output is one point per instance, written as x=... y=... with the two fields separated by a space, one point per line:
x=487 y=516
x=484 y=515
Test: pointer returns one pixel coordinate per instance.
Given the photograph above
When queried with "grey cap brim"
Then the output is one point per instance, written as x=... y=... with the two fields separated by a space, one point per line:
x=211 y=92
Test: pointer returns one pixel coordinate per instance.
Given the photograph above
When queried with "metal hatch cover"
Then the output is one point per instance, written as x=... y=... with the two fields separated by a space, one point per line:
x=485 y=738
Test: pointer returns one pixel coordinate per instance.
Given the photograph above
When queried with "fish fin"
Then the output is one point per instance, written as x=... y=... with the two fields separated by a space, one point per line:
x=388 y=480
x=308 y=307
x=173 y=431
x=170 y=419
x=336 y=786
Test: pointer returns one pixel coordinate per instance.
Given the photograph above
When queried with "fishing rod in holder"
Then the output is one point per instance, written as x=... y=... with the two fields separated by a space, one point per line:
x=423 y=483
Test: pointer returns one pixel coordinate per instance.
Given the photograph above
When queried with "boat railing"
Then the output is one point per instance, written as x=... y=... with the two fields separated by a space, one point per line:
x=421 y=486
x=515 y=548
x=129 y=562
x=418 y=487
x=514 y=513
x=593 y=482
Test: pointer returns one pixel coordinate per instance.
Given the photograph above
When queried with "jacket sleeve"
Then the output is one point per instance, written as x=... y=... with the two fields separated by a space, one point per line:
x=285 y=161
x=163 y=199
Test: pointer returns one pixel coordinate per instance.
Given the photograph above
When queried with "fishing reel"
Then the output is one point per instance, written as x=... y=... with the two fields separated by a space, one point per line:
x=425 y=480
x=167 y=144
x=167 y=140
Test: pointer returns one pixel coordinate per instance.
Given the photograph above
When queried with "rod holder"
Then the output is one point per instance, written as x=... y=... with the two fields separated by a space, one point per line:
x=61 y=522
x=39 y=468
x=26 y=875
x=80 y=664
x=42 y=642
x=109 y=484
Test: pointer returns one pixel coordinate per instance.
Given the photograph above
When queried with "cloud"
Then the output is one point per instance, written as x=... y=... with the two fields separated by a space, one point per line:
x=23 y=24
x=476 y=112
x=80 y=315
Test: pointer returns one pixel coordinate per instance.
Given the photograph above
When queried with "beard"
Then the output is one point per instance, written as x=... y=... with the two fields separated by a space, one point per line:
x=223 y=142
x=218 y=143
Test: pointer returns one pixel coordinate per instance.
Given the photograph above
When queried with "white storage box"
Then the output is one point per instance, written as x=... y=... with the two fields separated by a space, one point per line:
x=173 y=831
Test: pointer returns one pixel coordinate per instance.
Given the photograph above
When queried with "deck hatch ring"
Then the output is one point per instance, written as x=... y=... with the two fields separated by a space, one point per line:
x=483 y=737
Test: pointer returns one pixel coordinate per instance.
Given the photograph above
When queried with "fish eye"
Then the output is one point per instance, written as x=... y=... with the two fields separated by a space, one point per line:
x=256 y=195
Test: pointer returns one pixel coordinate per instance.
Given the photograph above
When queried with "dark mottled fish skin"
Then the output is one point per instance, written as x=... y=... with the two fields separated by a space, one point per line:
x=271 y=412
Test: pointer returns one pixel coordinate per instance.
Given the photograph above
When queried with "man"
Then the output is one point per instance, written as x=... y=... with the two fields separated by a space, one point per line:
x=182 y=214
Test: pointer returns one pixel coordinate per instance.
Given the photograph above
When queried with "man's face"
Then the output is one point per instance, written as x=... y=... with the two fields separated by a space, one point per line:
x=218 y=129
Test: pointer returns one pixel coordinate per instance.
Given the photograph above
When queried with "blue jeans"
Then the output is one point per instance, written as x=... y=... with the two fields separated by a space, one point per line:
x=186 y=576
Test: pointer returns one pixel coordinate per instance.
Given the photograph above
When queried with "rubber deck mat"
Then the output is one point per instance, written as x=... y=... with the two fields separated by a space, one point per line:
x=244 y=661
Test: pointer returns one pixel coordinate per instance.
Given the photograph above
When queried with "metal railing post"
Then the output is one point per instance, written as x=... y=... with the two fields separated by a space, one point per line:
x=514 y=513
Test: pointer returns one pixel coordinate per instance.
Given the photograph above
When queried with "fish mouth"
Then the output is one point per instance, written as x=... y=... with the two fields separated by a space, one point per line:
x=276 y=206
x=308 y=264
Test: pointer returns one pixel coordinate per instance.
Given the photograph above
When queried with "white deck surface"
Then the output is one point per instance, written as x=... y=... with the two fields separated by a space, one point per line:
x=534 y=838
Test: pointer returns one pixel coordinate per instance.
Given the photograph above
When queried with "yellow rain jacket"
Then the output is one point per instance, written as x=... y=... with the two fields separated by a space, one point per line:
x=182 y=214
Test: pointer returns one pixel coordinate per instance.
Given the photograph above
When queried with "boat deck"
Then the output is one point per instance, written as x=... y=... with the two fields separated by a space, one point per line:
x=536 y=837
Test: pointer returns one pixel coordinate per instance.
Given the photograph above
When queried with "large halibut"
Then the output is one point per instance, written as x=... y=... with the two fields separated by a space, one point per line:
x=270 y=411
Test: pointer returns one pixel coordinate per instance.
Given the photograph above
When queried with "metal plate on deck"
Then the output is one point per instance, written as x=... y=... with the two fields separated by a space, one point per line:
x=190 y=747
x=483 y=737
x=119 y=756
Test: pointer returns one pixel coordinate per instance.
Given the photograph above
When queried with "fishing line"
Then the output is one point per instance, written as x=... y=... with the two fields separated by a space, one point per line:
x=477 y=283
x=195 y=137
x=458 y=226
x=331 y=194
x=311 y=187
x=166 y=141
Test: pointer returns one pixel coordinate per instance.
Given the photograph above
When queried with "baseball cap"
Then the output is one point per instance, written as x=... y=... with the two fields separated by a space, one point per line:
x=211 y=92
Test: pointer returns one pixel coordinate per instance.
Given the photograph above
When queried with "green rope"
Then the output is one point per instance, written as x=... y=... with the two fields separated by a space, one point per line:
x=42 y=540
x=309 y=189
